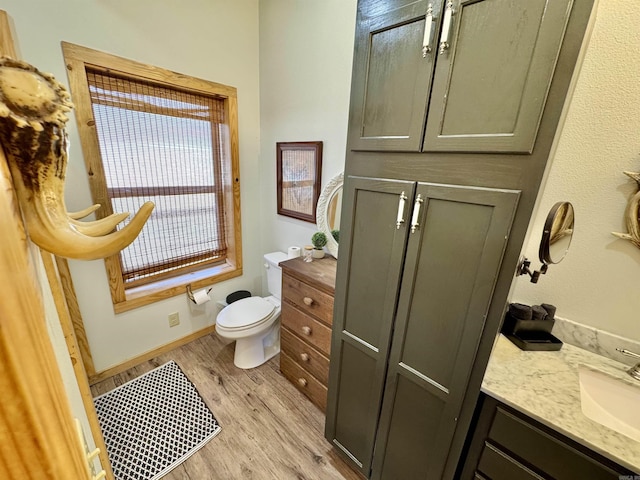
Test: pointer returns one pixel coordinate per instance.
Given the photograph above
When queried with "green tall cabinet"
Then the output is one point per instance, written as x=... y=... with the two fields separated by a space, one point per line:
x=454 y=110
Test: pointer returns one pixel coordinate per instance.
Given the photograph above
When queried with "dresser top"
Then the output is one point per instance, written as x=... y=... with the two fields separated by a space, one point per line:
x=321 y=273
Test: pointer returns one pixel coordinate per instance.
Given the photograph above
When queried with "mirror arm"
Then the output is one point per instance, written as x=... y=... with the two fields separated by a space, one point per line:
x=523 y=268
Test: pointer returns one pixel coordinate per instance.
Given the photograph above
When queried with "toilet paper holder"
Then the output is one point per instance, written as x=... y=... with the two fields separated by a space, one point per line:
x=190 y=293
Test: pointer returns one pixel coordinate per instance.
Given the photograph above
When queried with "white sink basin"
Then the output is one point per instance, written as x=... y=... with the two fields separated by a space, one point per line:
x=610 y=401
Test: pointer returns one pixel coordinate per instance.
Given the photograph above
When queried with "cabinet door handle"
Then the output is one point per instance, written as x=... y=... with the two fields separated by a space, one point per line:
x=302 y=382
x=306 y=330
x=400 y=219
x=308 y=301
x=428 y=24
x=446 y=27
x=304 y=357
x=416 y=214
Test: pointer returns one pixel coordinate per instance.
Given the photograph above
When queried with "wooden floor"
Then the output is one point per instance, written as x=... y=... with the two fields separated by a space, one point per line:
x=269 y=431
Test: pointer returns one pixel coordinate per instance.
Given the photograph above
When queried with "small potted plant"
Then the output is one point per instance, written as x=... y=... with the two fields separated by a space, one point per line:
x=319 y=240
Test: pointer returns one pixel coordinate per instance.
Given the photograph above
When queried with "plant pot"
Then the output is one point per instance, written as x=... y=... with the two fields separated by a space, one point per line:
x=318 y=253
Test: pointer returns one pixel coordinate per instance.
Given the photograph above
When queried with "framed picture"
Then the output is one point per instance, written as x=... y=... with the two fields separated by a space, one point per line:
x=299 y=166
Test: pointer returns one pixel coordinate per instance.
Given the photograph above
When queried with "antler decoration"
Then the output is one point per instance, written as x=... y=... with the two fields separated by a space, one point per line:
x=631 y=215
x=33 y=114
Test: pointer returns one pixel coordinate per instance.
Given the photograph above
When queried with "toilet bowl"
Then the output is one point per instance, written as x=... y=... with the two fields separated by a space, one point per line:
x=254 y=322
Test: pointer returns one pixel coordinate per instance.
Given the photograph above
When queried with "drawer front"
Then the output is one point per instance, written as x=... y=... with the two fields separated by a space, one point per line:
x=549 y=454
x=308 y=299
x=312 y=331
x=305 y=355
x=497 y=465
x=304 y=382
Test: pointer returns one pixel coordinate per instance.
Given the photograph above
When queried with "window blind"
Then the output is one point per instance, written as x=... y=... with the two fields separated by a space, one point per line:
x=164 y=145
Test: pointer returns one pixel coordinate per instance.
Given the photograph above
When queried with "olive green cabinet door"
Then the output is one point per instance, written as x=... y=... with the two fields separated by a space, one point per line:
x=493 y=73
x=452 y=263
x=368 y=279
x=391 y=77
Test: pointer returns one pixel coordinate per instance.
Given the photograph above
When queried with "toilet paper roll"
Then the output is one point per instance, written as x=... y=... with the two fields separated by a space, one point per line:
x=293 y=252
x=201 y=296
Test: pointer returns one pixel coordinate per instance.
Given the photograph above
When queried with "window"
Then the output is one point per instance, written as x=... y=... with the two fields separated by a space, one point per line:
x=150 y=134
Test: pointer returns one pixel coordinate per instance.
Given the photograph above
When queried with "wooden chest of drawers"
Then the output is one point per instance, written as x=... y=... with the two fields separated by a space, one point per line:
x=305 y=336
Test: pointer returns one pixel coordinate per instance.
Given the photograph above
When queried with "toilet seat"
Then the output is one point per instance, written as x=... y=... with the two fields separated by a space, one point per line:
x=246 y=313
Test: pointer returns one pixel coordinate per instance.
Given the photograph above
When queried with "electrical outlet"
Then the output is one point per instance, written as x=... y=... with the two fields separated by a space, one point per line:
x=174 y=319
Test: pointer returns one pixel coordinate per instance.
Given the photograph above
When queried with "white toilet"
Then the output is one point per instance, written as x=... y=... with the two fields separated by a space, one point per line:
x=254 y=322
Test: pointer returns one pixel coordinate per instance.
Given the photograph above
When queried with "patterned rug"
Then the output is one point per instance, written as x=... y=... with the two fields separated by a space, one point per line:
x=153 y=423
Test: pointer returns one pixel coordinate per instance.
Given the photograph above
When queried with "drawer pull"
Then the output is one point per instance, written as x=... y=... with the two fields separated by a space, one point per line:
x=308 y=301
x=304 y=357
x=306 y=330
x=302 y=382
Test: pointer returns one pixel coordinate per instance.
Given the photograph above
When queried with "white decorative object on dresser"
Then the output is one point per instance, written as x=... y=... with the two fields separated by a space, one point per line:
x=307 y=315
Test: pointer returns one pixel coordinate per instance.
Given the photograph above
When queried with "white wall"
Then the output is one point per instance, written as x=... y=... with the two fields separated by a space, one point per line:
x=212 y=39
x=598 y=282
x=306 y=49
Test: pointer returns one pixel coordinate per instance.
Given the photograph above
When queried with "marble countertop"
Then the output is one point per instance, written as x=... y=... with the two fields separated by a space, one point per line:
x=545 y=386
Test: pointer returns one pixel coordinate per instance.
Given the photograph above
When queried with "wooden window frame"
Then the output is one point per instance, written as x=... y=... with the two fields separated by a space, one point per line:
x=316 y=148
x=124 y=298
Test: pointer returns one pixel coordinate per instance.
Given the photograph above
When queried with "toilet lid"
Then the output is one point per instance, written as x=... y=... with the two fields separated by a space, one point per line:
x=245 y=313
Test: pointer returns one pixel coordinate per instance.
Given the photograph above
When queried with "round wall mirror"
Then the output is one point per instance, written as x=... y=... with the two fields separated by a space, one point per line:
x=557 y=233
x=328 y=213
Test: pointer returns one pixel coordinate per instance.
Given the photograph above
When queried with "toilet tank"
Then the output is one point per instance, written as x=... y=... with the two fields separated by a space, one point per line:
x=274 y=272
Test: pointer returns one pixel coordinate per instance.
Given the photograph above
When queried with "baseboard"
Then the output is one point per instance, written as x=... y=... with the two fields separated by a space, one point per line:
x=132 y=362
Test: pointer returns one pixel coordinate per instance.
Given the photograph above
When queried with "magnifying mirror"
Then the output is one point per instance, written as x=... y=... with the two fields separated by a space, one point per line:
x=555 y=241
x=558 y=230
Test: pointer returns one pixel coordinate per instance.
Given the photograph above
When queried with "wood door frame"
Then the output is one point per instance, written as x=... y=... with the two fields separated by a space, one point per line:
x=38 y=439
x=75 y=316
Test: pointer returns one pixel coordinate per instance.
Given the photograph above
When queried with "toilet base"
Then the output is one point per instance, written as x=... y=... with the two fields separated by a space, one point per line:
x=254 y=351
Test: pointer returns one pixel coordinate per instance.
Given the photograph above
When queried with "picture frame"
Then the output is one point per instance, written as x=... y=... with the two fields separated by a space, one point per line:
x=299 y=170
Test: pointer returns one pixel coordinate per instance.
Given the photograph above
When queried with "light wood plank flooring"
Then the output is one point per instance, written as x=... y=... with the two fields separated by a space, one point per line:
x=269 y=431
